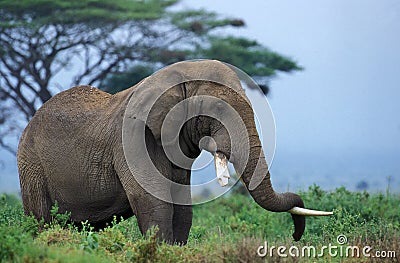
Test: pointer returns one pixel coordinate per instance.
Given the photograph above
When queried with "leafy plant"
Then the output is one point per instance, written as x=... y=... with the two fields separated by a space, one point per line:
x=58 y=218
x=90 y=239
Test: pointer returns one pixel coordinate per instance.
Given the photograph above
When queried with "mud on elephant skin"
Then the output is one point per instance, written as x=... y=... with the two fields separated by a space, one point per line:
x=100 y=155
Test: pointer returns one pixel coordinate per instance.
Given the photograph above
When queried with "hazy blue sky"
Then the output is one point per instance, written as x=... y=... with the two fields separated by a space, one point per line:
x=348 y=95
x=338 y=120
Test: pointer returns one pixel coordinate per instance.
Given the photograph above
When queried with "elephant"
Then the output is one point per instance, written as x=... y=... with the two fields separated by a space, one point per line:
x=97 y=154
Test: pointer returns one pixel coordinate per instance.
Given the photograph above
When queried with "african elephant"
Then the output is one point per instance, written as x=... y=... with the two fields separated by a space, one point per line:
x=72 y=151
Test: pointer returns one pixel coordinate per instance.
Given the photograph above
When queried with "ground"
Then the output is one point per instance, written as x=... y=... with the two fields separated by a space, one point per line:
x=230 y=229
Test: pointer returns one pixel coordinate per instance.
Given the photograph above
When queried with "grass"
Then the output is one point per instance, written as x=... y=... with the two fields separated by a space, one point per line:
x=229 y=229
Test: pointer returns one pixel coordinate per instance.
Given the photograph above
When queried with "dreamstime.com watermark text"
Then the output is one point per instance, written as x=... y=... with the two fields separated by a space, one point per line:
x=340 y=250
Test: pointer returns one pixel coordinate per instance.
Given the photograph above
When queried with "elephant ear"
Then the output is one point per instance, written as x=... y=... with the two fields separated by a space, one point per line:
x=148 y=106
x=156 y=95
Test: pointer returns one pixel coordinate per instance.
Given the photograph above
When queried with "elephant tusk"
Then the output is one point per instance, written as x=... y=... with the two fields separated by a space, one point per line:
x=308 y=212
x=221 y=168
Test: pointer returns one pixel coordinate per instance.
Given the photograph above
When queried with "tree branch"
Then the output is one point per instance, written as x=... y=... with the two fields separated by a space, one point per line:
x=7 y=147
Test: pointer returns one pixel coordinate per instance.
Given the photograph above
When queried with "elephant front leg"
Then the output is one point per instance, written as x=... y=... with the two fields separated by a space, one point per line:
x=150 y=211
x=181 y=195
x=153 y=212
x=182 y=222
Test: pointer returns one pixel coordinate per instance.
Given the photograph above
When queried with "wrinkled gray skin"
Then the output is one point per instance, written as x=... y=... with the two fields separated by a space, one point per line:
x=71 y=151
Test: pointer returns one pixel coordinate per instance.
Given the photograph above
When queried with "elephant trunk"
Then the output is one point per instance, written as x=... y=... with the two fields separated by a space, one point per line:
x=242 y=146
x=256 y=177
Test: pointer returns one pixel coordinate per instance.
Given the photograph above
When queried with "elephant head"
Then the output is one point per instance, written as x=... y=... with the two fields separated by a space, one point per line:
x=190 y=106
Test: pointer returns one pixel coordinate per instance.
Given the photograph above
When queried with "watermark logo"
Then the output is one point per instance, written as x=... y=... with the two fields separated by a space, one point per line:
x=341 y=239
x=341 y=249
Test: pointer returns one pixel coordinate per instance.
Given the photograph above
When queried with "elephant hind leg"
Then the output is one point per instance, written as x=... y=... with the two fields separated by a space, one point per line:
x=35 y=196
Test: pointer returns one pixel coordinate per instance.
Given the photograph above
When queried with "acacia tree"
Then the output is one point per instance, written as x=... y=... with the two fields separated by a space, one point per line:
x=89 y=42
x=255 y=59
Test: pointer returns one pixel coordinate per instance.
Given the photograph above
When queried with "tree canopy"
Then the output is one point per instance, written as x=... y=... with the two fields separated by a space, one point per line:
x=50 y=45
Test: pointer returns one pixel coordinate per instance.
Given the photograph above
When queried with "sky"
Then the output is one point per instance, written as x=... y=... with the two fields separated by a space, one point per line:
x=337 y=121
x=350 y=84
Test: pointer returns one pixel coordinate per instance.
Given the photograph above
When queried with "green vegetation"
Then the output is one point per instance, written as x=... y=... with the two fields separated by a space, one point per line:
x=227 y=229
